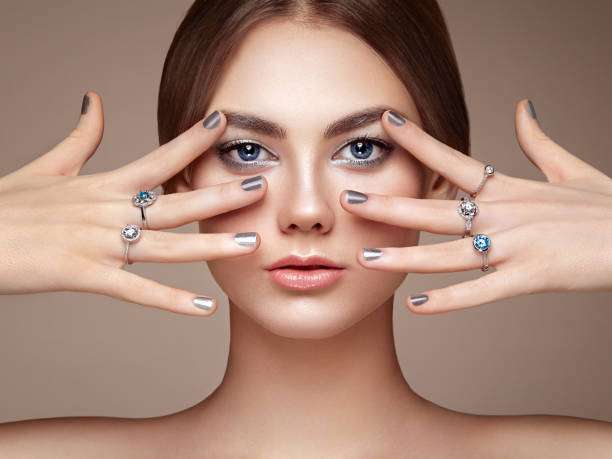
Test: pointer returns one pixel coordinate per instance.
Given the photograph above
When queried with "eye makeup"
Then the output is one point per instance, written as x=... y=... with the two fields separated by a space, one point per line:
x=252 y=148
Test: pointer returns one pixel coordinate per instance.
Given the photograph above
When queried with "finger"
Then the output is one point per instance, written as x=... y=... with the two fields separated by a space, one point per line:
x=127 y=286
x=449 y=256
x=177 y=209
x=485 y=289
x=167 y=160
x=70 y=155
x=170 y=247
x=459 y=168
x=433 y=215
x=440 y=216
x=555 y=162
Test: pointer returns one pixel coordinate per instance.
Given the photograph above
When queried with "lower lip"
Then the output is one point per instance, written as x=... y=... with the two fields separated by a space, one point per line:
x=306 y=279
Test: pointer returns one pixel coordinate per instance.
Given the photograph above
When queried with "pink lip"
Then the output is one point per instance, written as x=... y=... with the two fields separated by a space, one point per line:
x=305 y=279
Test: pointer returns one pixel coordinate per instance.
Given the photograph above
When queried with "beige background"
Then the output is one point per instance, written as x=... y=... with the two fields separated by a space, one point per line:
x=67 y=354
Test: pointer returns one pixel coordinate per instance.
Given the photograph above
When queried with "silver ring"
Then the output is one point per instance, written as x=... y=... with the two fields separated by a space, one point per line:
x=482 y=244
x=144 y=199
x=129 y=233
x=488 y=171
x=467 y=209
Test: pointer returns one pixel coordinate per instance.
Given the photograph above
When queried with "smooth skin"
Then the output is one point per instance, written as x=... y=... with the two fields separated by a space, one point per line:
x=313 y=374
x=61 y=230
x=546 y=236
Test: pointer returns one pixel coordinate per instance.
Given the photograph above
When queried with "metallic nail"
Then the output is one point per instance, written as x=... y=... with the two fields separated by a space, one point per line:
x=396 y=118
x=246 y=239
x=418 y=299
x=371 y=254
x=204 y=302
x=212 y=120
x=252 y=183
x=85 y=104
x=531 y=110
x=355 y=197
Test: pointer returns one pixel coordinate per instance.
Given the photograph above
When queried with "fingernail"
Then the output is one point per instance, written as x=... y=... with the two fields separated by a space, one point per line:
x=85 y=104
x=204 y=302
x=246 y=239
x=416 y=300
x=212 y=120
x=355 y=197
x=371 y=254
x=252 y=183
x=396 y=118
x=531 y=110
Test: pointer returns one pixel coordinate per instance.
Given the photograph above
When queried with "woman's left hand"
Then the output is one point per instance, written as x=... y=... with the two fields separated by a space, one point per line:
x=545 y=236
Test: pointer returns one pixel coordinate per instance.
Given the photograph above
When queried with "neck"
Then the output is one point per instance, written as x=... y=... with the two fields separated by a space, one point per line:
x=336 y=386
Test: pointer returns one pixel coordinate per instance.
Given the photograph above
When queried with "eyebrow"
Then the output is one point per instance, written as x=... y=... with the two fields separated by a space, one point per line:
x=347 y=123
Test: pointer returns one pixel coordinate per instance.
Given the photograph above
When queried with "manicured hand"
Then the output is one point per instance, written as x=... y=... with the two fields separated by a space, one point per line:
x=545 y=236
x=62 y=231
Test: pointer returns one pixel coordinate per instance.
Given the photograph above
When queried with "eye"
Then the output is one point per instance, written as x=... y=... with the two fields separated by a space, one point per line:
x=364 y=149
x=248 y=154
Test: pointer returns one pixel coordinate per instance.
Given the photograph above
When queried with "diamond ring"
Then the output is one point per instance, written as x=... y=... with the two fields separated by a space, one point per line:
x=142 y=200
x=482 y=243
x=129 y=233
x=468 y=209
x=489 y=170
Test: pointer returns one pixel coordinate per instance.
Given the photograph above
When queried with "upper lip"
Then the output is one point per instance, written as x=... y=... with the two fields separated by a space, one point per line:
x=295 y=260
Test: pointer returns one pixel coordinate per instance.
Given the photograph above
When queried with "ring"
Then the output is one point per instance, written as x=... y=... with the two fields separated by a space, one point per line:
x=489 y=170
x=142 y=200
x=482 y=243
x=468 y=209
x=129 y=233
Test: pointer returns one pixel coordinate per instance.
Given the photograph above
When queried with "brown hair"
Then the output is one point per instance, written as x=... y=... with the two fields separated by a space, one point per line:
x=410 y=35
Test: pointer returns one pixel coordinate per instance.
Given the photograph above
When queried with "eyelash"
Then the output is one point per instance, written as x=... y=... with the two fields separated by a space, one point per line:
x=223 y=151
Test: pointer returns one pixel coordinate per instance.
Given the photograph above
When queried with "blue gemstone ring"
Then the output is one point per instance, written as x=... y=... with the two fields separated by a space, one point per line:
x=482 y=243
x=129 y=233
x=144 y=199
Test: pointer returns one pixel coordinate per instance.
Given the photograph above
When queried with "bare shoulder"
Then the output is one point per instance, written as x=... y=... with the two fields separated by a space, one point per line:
x=82 y=436
x=543 y=436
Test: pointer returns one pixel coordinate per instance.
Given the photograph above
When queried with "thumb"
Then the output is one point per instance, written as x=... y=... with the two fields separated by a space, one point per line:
x=71 y=154
x=555 y=162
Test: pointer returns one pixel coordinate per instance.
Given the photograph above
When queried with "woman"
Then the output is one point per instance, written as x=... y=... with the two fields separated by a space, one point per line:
x=301 y=134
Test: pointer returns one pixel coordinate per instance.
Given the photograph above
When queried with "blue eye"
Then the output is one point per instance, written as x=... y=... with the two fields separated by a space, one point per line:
x=249 y=152
x=362 y=148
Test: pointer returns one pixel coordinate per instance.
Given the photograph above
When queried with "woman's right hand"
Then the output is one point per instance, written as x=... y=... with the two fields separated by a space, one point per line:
x=60 y=231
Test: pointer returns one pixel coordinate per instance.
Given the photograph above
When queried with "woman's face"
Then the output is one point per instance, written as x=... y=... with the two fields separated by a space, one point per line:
x=304 y=79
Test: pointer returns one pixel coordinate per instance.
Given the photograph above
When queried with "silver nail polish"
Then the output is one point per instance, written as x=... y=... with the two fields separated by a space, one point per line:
x=531 y=109
x=355 y=197
x=252 y=183
x=371 y=254
x=212 y=120
x=396 y=118
x=204 y=302
x=418 y=299
x=246 y=239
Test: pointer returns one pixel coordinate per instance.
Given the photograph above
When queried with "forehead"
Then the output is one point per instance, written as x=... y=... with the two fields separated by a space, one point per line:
x=296 y=73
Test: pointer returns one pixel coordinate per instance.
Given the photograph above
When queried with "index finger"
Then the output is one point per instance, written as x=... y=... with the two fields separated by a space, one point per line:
x=459 y=168
x=168 y=159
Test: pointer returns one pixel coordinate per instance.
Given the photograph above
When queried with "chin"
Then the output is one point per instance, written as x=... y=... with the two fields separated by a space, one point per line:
x=313 y=314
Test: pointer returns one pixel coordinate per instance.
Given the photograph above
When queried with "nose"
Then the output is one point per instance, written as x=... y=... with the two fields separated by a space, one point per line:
x=307 y=204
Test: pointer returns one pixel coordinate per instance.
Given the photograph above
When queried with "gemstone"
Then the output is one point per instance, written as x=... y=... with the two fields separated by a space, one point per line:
x=130 y=233
x=467 y=208
x=481 y=242
x=144 y=198
x=489 y=169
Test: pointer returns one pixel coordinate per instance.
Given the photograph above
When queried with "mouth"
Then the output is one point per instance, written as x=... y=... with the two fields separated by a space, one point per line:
x=305 y=273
